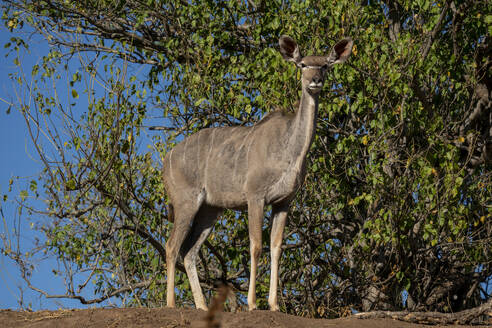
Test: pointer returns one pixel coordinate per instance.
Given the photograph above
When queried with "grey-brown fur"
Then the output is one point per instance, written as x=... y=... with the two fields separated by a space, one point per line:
x=244 y=168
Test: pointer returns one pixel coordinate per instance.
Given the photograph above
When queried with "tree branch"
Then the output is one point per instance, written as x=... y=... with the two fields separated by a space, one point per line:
x=426 y=48
x=462 y=318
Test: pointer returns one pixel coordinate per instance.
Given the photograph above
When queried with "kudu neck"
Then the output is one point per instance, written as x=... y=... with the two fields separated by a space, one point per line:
x=307 y=112
x=304 y=125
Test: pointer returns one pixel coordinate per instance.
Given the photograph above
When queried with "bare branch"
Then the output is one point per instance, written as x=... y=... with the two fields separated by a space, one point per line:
x=474 y=315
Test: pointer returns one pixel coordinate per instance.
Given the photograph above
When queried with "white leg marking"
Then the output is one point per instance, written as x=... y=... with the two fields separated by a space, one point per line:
x=276 y=239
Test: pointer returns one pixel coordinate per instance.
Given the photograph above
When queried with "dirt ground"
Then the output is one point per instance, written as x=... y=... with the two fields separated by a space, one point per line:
x=177 y=318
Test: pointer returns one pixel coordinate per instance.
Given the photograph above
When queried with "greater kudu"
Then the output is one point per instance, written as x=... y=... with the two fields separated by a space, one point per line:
x=243 y=167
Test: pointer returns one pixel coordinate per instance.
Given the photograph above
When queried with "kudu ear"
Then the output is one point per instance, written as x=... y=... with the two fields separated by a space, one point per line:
x=340 y=52
x=289 y=49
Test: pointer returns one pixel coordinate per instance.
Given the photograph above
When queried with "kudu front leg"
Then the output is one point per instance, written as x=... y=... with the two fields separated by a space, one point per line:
x=279 y=213
x=255 y=222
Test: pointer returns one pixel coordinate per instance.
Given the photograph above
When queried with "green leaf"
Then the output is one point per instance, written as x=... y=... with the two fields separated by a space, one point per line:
x=23 y=195
x=71 y=184
x=200 y=101
x=33 y=185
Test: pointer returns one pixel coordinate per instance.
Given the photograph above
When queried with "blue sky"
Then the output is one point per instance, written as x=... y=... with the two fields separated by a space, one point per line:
x=14 y=147
x=18 y=160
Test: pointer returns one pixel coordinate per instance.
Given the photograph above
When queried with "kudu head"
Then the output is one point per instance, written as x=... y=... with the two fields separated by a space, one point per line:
x=314 y=68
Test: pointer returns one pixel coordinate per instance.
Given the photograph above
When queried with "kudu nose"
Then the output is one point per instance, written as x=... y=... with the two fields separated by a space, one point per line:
x=317 y=79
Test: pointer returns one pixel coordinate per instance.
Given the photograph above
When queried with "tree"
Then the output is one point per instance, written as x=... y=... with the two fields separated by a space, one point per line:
x=395 y=211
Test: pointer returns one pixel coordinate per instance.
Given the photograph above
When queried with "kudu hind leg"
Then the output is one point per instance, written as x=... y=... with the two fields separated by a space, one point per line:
x=200 y=230
x=183 y=217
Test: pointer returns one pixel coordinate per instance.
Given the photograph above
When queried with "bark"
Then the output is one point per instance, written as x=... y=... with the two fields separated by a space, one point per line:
x=478 y=315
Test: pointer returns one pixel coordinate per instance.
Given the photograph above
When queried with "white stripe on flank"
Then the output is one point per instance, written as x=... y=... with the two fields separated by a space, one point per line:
x=198 y=156
x=247 y=159
x=239 y=151
x=185 y=151
x=210 y=147
x=171 y=166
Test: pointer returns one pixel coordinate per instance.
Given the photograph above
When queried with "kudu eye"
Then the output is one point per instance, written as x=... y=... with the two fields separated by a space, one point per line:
x=303 y=65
